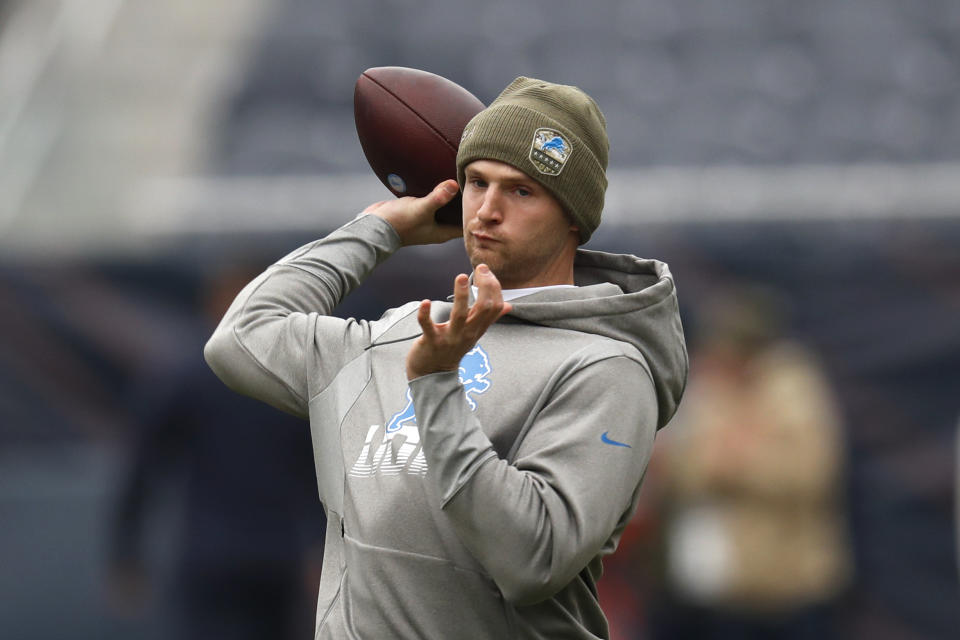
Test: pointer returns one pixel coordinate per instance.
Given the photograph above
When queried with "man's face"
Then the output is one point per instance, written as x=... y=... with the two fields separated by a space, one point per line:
x=516 y=227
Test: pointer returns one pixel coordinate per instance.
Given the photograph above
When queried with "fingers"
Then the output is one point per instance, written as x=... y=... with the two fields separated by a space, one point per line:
x=489 y=305
x=488 y=287
x=461 y=302
x=413 y=218
x=467 y=323
x=448 y=232
x=442 y=346
x=441 y=195
x=426 y=323
x=444 y=192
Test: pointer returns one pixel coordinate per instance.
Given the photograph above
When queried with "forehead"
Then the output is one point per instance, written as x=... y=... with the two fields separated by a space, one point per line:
x=495 y=168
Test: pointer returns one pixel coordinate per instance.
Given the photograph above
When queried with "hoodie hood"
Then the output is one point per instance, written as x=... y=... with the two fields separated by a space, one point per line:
x=625 y=298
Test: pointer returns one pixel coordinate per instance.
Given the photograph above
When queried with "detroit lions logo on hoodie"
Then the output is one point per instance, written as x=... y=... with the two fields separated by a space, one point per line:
x=398 y=450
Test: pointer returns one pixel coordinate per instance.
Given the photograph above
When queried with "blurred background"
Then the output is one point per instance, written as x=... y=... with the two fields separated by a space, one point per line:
x=796 y=163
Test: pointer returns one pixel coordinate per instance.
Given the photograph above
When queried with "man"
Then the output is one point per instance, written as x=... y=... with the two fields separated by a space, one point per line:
x=476 y=459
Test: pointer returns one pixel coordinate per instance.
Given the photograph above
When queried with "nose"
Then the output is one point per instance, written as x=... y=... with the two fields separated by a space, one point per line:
x=490 y=211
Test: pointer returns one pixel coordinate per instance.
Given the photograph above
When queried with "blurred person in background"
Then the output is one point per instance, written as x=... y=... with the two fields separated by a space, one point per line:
x=249 y=548
x=751 y=486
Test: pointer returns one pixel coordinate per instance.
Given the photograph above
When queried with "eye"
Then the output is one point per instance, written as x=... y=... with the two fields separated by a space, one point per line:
x=478 y=183
x=523 y=192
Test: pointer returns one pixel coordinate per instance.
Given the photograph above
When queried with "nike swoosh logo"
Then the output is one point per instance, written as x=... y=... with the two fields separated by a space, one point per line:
x=607 y=440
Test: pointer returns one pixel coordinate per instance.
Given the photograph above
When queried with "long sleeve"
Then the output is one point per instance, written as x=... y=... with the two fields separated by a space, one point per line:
x=277 y=337
x=537 y=521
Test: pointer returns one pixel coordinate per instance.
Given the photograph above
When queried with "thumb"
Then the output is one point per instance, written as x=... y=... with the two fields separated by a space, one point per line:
x=443 y=193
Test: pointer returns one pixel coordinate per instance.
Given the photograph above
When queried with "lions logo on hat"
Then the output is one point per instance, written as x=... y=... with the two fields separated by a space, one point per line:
x=549 y=151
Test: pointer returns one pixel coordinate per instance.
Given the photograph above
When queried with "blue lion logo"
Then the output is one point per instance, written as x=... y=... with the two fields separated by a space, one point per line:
x=473 y=372
x=556 y=143
x=403 y=417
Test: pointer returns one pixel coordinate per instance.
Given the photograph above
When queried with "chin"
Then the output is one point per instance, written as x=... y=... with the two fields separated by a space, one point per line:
x=489 y=258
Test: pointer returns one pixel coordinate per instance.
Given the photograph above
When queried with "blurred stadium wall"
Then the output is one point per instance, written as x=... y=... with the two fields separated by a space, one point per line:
x=813 y=147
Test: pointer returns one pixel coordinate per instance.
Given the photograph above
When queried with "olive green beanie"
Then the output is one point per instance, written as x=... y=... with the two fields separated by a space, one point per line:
x=554 y=133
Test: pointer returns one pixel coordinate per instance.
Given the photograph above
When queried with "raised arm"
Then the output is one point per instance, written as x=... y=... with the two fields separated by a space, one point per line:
x=278 y=335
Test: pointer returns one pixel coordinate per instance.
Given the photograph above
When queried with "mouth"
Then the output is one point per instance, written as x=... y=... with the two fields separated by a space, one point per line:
x=482 y=237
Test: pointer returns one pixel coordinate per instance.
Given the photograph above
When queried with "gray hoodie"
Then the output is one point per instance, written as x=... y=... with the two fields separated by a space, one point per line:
x=469 y=504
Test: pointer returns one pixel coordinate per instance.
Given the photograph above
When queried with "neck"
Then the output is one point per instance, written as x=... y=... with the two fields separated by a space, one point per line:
x=545 y=281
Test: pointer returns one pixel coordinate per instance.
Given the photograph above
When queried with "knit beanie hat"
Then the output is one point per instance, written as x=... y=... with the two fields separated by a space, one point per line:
x=554 y=133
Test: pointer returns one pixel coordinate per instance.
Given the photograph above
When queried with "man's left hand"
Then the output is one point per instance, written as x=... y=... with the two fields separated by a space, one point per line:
x=442 y=346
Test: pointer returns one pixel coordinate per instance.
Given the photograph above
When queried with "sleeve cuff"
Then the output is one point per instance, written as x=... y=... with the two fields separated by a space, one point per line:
x=368 y=223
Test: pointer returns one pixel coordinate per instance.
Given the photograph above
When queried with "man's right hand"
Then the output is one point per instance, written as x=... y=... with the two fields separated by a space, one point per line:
x=412 y=218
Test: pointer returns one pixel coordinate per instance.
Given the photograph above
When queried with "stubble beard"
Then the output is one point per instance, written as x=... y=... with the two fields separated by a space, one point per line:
x=494 y=257
x=512 y=271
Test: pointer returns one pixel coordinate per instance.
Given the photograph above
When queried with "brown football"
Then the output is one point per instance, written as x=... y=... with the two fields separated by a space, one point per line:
x=409 y=123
